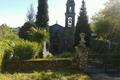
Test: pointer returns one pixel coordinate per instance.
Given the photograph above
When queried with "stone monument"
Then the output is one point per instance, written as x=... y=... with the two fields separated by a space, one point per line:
x=81 y=57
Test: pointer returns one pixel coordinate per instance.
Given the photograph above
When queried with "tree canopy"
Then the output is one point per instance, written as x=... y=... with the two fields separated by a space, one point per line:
x=108 y=21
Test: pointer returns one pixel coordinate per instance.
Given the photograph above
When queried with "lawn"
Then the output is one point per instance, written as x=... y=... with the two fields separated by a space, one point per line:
x=46 y=75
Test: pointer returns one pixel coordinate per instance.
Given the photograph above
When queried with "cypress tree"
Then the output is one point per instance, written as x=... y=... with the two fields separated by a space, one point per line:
x=42 y=14
x=82 y=25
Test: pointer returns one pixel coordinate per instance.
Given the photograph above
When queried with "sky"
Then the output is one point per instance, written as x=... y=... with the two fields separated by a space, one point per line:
x=13 y=12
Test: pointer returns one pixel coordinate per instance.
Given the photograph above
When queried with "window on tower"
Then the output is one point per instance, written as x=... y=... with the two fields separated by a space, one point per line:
x=69 y=22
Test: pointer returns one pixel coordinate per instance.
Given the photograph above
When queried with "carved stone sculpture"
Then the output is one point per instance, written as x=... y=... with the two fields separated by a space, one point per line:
x=81 y=58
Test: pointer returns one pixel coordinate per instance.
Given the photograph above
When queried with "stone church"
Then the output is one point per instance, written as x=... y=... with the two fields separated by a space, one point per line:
x=62 y=37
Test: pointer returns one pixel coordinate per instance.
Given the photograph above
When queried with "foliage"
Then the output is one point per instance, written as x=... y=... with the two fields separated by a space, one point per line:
x=82 y=26
x=24 y=50
x=93 y=27
x=30 y=14
x=23 y=33
x=48 y=75
x=107 y=43
x=38 y=35
x=7 y=39
x=103 y=31
x=7 y=33
x=42 y=14
x=11 y=44
x=100 y=46
x=108 y=22
x=102 y=54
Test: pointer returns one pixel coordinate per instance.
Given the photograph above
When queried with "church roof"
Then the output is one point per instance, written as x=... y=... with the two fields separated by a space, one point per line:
x=56 y=27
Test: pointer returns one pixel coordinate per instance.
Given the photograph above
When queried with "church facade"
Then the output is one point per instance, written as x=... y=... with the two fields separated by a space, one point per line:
x=62 y=38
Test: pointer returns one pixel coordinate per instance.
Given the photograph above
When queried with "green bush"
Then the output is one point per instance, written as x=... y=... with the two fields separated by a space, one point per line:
x=7 y=39
x=24 y=50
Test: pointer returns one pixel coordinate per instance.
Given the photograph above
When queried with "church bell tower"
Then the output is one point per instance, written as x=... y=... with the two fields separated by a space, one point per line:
x=70 y=14
x=69 y=26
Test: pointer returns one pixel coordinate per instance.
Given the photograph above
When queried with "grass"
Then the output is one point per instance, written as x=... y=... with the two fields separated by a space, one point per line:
x=46 y=75
x=43 y=76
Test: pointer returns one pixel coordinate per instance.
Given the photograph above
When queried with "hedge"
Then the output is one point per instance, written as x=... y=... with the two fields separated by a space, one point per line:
x=36 y=65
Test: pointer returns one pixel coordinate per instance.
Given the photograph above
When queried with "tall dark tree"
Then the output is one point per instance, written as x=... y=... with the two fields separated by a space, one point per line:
x=82 y=26
x=42 y=14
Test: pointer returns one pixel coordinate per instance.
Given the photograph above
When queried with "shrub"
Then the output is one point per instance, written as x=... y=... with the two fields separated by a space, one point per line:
x=24 y=50
x=7 y=33
x=7 y=39
x=4 y=44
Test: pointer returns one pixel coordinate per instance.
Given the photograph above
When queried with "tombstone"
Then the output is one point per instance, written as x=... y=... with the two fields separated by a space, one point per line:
x=81 y=57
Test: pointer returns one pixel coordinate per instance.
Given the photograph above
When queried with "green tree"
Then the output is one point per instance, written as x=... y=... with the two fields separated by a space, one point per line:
x=108 y=21
x=42 y=14
x=23 y=33
x=30 y=16
x=82 y=26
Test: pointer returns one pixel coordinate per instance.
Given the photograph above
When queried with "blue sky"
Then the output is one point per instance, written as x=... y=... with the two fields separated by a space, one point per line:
x=13 y=12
